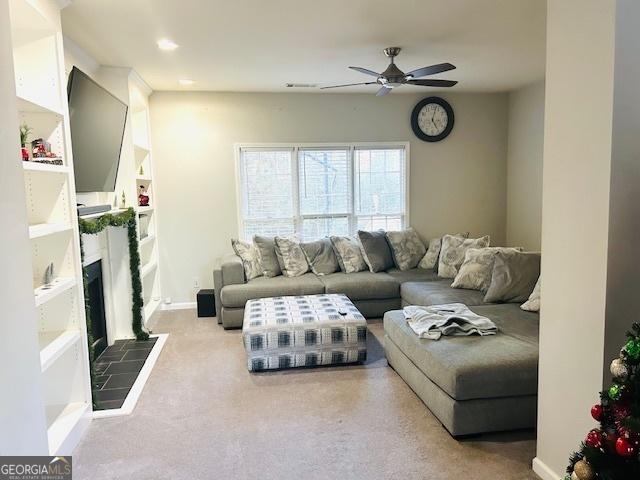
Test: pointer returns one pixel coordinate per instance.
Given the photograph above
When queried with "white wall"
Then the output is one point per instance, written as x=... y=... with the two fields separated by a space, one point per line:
x=575 y=223
x=458 y=184
x=524 y=166
x=22 y=420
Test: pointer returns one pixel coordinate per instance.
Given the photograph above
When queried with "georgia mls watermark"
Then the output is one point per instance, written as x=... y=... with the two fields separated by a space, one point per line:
x=35 y=468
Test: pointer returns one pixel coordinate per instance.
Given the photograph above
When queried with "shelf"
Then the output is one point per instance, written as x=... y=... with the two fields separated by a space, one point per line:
x=54 y=344
x=143 y=178
x=58 y=286
x=147 y=268
x=141 y=148
x=150 y=308
x=149 y=238
x=62 y=420
x=28 y=22
x=44 y=229
x=30 y=106
x=113 y=211
x=33 y=166
x=145 y=209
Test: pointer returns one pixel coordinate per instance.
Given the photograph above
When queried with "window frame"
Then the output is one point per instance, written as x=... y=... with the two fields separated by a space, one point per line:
x=350 y=147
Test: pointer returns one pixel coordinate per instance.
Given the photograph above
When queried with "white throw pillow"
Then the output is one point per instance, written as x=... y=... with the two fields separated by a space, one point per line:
x=533 y=304
x=407 y=248
x=294 y=263
x=475 y=272
x=250 y=257
x=453 y=252
x=349 y=254
x=430 y=259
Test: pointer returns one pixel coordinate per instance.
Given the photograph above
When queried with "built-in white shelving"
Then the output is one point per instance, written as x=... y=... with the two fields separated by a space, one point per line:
x=57 y=287
x=54 y=344
x=148 y=268
x=44 y=229
x=145 y=209
x=63 y=419
x=41 y=104
x=33 y=166
x=148 y=239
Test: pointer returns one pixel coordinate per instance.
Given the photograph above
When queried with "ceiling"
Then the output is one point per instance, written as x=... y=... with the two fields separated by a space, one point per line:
x=260 y=45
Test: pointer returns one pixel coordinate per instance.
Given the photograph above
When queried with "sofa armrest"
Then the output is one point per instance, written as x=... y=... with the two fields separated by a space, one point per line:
x=217 y=285
x=232 y=270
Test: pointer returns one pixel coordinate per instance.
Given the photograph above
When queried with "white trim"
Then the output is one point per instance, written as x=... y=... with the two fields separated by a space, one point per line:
x=543 y=471
x=135 y=392
x=350 y=147
x=178 y=306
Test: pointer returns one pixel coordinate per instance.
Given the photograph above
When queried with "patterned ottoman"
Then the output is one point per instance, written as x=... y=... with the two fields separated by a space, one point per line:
x=303 y=331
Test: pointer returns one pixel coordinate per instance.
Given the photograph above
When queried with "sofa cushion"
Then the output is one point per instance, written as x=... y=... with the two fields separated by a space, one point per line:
x=349 y=254
x=268 y=258
x=321 y=257
x=362 y=285
x=237 y=295
x=292 y=261
x=407 y=248
x=473 y=367
x=413 y=275
x=453 y=251
x=375 y=250
x=438 y=292
x=514 y=276
x=250 y=256
x=533 y=304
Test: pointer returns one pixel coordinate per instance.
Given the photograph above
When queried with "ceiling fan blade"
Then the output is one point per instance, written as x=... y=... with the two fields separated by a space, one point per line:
x=383 y=91
x=432 y=70
x=433 y=83
x=348 y=85
x=365 y=71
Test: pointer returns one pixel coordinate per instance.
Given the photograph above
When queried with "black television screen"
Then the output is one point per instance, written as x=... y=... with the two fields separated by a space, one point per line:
x=97 y=127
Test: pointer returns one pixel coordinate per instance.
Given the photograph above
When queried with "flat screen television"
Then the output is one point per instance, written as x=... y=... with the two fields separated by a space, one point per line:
x=97 y=121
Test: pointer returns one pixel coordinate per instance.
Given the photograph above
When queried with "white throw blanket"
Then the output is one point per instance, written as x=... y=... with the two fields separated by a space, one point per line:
x=450 y=319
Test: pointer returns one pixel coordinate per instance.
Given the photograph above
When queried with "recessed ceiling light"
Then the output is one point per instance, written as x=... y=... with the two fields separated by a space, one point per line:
x=166 y=44
x=186 y=82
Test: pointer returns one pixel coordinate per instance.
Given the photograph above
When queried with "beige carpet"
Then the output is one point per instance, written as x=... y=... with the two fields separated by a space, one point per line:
x=203 y=416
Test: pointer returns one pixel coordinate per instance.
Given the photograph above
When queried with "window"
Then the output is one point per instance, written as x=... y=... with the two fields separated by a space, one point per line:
x=322 y=190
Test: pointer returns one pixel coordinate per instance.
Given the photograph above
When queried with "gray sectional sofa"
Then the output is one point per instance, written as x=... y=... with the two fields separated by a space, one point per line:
x=471 y=384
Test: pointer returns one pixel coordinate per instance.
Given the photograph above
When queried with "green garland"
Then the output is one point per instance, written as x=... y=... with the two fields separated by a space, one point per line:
x=93 y=227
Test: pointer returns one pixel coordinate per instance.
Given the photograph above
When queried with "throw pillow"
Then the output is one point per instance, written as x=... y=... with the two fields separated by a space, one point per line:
x=268 y=258
x=475 y=272
x=320 y=256
x=430 y=259
x=453 y=251
x=514 y=276
x=348 y=253
x=375 y=250
x=407 y=248
x=250 y=257
x=533 y=304
x=294 y=263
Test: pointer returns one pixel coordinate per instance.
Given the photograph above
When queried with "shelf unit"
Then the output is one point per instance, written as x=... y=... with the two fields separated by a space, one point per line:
x=143 y=176
x=40 y=83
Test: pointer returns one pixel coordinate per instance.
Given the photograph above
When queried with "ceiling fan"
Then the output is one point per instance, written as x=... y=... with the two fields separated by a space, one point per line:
x=393 y=77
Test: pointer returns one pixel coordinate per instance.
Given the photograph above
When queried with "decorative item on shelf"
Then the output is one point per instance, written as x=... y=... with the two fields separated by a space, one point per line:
x=143 y=221
x=143 y=197
x=48 y=276
x=141 y=171
x=123 y=200
x=25 y=131
x=612 y=450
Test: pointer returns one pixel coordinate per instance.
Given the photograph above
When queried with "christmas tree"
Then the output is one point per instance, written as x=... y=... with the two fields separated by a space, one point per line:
x=612 y=451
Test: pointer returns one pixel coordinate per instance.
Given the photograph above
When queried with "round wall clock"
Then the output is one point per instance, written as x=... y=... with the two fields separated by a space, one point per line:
x=432 y=119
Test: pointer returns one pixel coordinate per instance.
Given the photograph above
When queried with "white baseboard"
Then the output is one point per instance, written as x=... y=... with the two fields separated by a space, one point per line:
x=179 y=306
x=135 y=392
x=543 y=471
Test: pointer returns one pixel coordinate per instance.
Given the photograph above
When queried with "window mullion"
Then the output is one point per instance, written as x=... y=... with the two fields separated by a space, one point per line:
x=297 y=221
x=352 y=190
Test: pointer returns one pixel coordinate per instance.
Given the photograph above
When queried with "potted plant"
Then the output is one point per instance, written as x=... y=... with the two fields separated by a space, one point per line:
x=25 y=131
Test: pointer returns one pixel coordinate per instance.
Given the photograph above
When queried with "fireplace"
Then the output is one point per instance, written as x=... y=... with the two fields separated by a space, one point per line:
x=95 y=293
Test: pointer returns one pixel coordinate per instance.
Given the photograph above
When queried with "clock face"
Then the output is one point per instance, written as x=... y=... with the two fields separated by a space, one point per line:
x=433 y=119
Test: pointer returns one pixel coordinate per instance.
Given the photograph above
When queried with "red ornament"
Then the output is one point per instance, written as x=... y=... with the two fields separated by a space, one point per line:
x=594 y=439
x=596 y=412
x=620 y=411
x=624 y=448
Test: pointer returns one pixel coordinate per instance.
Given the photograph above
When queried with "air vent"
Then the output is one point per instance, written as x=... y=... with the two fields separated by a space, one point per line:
x=301 y=85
